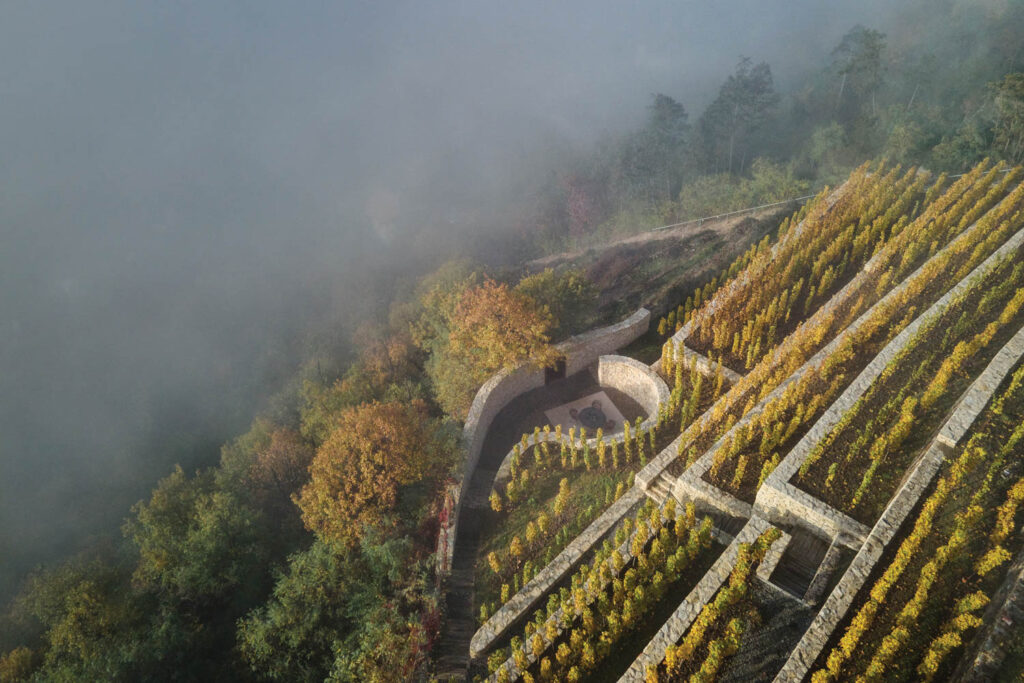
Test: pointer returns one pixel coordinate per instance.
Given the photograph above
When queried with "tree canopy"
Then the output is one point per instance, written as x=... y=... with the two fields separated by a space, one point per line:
x=567 y=295
x=742 y=108
x=358 y=475
x=478 y=331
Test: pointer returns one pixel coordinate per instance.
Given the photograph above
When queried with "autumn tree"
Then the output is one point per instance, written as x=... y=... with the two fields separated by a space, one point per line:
x=279 y=470
x=17 y=665
x=437 y=296
x=365 y=468
x=499 y=328
x=491 y=327
x=388 y=368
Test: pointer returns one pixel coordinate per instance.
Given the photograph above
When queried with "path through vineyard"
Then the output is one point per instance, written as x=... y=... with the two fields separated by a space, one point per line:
x=722 y=226
x=518 y=418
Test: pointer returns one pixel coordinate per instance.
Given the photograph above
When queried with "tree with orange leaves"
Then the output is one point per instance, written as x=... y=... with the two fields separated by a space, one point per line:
x=363 y=470
x=500 y=327
x=491 y=327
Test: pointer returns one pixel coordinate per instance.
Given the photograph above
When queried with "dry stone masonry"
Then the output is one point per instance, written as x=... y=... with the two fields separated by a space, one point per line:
x=690 y=607
x=899 y=508
x=579 y=351
x=778 y=502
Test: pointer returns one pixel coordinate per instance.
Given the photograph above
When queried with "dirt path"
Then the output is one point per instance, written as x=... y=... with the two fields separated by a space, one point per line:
x=721 y=226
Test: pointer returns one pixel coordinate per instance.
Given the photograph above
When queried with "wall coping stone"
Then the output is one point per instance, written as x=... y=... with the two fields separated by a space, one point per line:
x=684 y=615
x=514 y=673
x=556 y=570
x=837 y=604
x=778 y=489
x=657 y=466
x=579 y=351
x=656 y=385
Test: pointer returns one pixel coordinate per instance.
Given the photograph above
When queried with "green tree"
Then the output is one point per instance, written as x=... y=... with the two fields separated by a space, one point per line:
x=568 y=296
x=729 y=125
x=857 y=61
x=1008 y=130
x=332 y=611
x=195 y=541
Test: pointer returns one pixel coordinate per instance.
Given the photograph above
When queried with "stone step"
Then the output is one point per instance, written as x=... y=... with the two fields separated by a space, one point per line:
x=660 y=490
x=799 y=563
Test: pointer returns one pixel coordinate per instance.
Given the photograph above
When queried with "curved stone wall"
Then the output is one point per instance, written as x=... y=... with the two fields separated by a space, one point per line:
x=636 y=380
x=497 y=392
x=579 y=352
x=631 y=377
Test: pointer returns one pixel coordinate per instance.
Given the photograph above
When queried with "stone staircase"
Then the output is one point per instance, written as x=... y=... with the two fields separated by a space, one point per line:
x=799 y=563
x=661 y=489
x=452 y=650
x=452 y=654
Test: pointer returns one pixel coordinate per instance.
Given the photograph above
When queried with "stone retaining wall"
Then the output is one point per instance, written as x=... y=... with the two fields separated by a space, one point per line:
x=536 y=588
x=657 y=466
x=787 y=505
x=636 y=380
x=821 y=578
x=679 y=338
x=631 y=377
x=497 y=392
x=691 y=485
x=784 y=504
x=781 y=501
x=514 y=672
x=673 y=629
x=896 y=512
x=505 y=385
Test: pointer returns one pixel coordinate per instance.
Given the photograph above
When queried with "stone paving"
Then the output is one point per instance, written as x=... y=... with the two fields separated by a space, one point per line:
x=518 y=416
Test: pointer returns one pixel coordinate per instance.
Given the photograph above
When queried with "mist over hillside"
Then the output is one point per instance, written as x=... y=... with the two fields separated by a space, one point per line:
x=283 y=296
x=193 y=195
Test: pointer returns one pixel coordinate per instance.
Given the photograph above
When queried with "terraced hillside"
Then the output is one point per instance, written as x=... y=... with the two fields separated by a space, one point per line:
x=829 y=484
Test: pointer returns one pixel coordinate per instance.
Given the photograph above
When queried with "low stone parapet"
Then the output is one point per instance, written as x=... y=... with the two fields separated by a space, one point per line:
x=505 y=385
x=780 y=501
x=677 y=624
x=786 y=504
x=899 y=508
x=636 y=380
x=511 y=669
x=631 y=377
x=536 y=588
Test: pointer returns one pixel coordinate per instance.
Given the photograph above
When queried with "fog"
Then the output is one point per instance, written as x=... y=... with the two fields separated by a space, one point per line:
x=189 y=189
